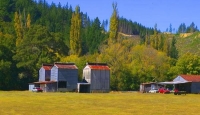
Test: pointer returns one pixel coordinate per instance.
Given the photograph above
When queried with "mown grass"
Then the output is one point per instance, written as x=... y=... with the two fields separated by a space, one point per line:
x=28 y=103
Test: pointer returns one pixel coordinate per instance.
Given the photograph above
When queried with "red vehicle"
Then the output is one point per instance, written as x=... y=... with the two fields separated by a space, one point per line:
x=163 y=90
x=177 y=92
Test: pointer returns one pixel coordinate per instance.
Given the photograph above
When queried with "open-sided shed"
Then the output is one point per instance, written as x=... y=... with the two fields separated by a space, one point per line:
x=96 y=78
x=191 y=85
x=145 y=87
x=188 y=83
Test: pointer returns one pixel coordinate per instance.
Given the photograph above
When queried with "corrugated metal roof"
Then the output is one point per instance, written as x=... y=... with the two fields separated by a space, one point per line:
x=47 y=66
x=192 y=78
x=99 y=67
x=66 y=65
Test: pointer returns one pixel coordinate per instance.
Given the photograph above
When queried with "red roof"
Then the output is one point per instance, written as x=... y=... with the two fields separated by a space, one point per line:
x=192 y=78
x=99 y=67
x=66 y=65
x=47 y=67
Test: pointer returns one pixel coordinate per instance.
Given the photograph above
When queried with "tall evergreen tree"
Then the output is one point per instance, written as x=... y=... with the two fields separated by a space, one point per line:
x=75 y=38
x=170 y=28
x=173 y=50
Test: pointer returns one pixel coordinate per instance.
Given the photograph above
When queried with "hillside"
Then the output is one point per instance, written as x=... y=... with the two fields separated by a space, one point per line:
x=188 y=42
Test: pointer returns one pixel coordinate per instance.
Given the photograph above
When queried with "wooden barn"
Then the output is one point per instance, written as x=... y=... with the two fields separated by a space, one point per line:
x=188 y=83
x=66 y=76
x=96 y=78
x=57 y=77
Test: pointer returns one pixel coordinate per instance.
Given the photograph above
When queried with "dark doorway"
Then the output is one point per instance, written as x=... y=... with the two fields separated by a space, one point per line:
x=84 y=88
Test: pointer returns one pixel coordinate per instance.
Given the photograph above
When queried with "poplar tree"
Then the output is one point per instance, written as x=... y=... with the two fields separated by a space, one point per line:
x=28 y=21
x=75 y=40
x=18 y=28
x=114 y=24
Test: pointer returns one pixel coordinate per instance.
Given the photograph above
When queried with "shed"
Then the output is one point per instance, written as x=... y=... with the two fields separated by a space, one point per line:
x=47 y=86
x=145 y=87
x=31 y=86
x=45 y=72
x=96 y=77
x=189 y=83
x=66 y=76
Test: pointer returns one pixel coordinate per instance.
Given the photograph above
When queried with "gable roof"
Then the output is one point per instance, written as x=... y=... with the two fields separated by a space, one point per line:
x=191 y=78
x=47 y=66
x=98 y=66
x=65 y=65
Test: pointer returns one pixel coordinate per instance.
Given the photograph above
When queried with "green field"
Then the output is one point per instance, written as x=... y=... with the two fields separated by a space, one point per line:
x=114 y=103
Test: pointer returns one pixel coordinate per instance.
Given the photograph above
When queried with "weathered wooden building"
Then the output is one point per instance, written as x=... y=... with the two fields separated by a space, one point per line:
x=96 y=78
x=57 y=77
x=66 y=76
x=44 y=81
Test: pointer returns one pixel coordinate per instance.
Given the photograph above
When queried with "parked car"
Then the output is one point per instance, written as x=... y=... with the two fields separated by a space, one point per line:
x=153 y=91
x=177 y=92
x=37 y=89
x=163 y=90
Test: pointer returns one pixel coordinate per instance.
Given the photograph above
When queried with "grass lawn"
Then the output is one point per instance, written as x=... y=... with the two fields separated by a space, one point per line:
x=29 y=103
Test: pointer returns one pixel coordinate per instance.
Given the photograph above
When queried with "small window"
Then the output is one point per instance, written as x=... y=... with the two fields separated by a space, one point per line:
x=62 y=84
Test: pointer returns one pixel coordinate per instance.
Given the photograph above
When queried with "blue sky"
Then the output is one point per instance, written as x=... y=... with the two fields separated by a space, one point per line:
x=147 y=12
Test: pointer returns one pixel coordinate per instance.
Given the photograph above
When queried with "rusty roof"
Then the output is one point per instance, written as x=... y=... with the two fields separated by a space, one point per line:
x=192 y=78
x=47 y=66
x=65 y=65
x=99 y=67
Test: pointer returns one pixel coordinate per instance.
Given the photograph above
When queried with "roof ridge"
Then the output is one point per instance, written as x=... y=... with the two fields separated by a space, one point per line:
x=64 y=63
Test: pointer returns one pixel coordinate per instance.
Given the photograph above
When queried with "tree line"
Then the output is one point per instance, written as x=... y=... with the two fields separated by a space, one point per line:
x=32 y=33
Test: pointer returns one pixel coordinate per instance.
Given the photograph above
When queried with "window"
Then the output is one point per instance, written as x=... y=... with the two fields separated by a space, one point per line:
x=62 y=84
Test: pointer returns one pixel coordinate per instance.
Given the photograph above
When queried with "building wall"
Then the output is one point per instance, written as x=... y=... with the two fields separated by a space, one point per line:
x=51 y=87
x=195 y=87
x=42 y=74
x=100 y=81
x=54 y=74
x=70 y=76
x=87 y=74
x=31 y=86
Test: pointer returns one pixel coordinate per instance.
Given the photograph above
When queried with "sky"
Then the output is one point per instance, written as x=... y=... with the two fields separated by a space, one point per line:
x=146 y=12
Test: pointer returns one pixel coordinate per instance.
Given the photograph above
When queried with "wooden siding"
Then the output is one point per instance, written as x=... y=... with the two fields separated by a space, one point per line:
x=100 y=80
x=107 y=80
x=54 y=74
x=195 y=87
x=52 y=87
x=31 y=86
x=41 y=74
x=69 y=75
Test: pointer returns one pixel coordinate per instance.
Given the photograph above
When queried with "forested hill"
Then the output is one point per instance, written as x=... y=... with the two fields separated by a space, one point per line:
x=32 y=33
